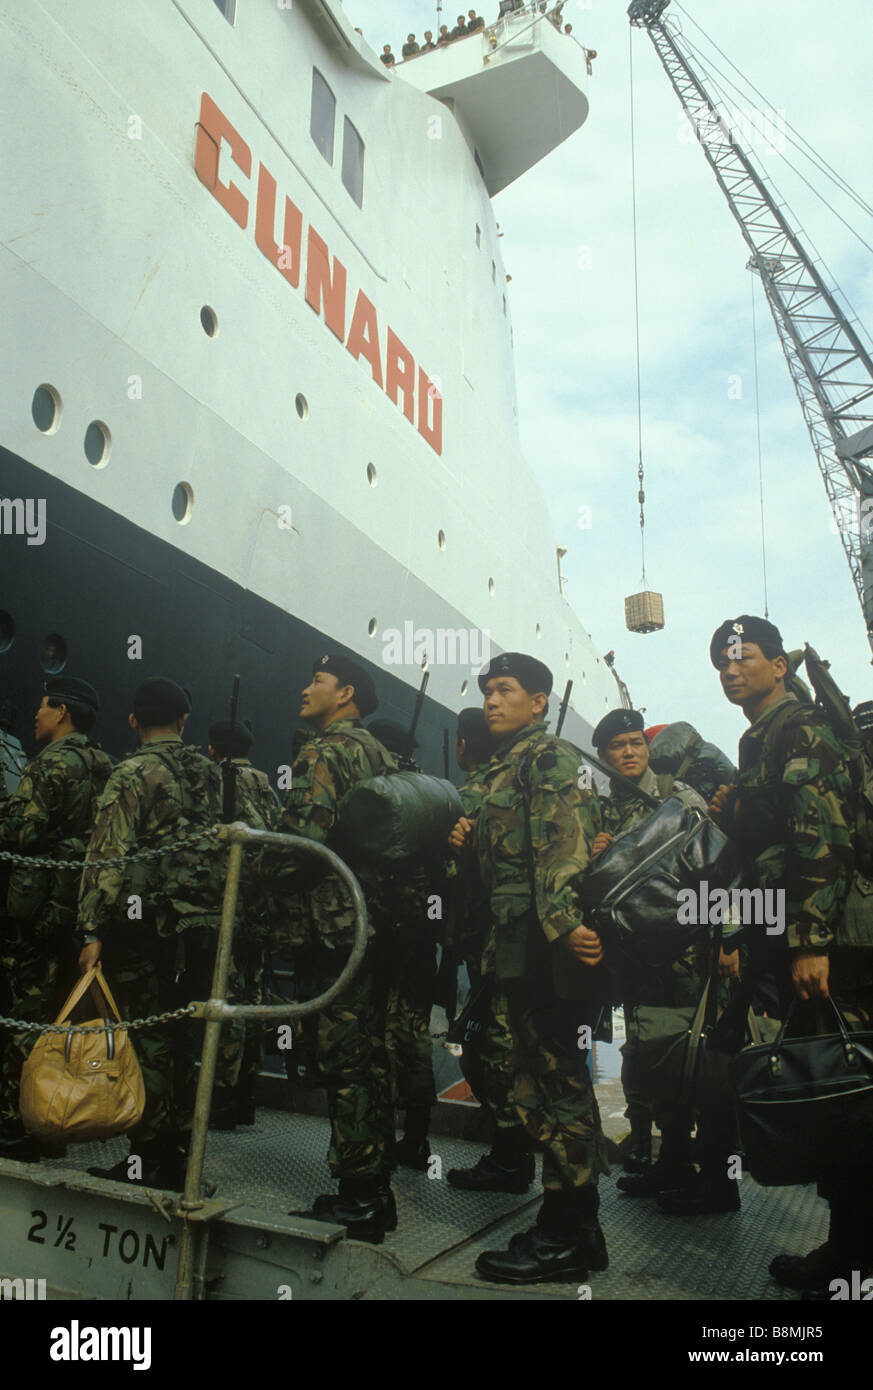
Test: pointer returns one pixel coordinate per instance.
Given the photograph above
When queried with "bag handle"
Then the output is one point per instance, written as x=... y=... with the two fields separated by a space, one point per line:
x=93 y=976
x=841 y=1023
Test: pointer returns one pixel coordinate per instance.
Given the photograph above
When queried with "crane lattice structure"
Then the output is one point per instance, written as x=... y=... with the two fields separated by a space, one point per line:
x=831 y=369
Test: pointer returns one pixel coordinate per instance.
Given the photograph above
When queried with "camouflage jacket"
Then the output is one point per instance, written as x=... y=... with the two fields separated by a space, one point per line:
x=794 y=816
x=621 y=810
x=325 y=767
x=160 y=793
x=564 y=821
x=256 y=801
x=12 y=762
x=469 y=897
x=50 y=814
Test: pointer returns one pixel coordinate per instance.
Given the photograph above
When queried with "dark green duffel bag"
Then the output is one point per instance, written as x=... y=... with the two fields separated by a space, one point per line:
x=398 y=818
x=680 y=1056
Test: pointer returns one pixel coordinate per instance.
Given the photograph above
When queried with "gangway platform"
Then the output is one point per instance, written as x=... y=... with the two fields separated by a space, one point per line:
x=101 y=1240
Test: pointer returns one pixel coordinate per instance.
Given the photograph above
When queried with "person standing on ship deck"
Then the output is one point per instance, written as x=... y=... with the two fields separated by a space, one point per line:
x=533 y=835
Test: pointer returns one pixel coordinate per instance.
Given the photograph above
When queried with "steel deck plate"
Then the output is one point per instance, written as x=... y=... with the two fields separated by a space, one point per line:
x=280 y=1165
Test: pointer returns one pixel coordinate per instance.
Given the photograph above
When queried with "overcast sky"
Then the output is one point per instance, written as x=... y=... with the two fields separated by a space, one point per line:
x=568 y=247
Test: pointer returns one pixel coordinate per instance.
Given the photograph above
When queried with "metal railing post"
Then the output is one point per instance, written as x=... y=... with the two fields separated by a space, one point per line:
x=192 y=1248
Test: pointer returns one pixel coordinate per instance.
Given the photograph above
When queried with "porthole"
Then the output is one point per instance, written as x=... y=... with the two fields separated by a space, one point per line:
x=46 y=408
x=371 y=627
x=371 y=475
x=209 y=320
x=301 y=405
x=464 y=688
x=490 y=588
x=183 y=503
x=98 y=442
x=441 y=540
x=7 y=631
x=53 y=653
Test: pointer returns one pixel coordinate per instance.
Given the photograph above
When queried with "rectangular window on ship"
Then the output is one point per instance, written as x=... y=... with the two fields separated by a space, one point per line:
x=323 y=116
x=353 y=162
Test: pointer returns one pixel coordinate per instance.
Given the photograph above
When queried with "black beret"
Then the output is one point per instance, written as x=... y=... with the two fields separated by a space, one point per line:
x=69 y=688
x=395 y=738
x=163 y=697
x=618 y=721
x=533 y=675
x=349 y=672
x=748 y=629
x=223 y=732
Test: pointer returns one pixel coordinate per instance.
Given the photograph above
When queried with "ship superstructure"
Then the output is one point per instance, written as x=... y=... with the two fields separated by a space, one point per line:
x=259 y=355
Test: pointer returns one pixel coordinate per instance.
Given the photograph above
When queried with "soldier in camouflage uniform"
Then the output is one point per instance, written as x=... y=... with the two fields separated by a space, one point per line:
x=407 y=973
x=12 y=755
x=349 y=1040
x=241 y=1048
x=488 y=1062
x=49 y=815
x=155 y=921
x=793 y=812
x=533 y=835
x=621 y=742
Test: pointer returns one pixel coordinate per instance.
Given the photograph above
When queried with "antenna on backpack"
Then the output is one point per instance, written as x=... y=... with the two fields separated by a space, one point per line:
x=228 y=767
x=562 y=712
x=446 y=754
x=419 y=703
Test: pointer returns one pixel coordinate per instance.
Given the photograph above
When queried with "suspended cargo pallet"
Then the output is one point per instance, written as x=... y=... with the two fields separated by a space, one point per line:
x=644 y=612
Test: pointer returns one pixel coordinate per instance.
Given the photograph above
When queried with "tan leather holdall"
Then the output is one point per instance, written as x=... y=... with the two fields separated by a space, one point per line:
x=77 y=1087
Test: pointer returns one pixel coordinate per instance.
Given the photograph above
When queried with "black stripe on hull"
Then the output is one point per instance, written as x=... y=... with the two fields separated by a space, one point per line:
x=98 y=580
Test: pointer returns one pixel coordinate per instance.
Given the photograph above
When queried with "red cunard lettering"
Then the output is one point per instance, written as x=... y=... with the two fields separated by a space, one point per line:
x=430 y=412
x=363 y=338
x=321 y=284
x=286 y=257
x=213 y=127
x=400 y=374
x=325 y=281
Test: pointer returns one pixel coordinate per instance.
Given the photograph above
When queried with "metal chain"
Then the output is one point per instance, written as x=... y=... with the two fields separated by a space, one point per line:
x=19 y=1026
x=157 y=853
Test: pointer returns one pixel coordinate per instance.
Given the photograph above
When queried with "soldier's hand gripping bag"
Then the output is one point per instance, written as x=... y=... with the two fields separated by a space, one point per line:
x=630 y=892
x=805 y=1104
x=76 y=1087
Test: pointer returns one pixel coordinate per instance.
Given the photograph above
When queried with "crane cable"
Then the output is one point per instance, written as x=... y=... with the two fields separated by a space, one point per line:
x=760 y=461
x=641 y=494
x=707 y=63
x=814 y=157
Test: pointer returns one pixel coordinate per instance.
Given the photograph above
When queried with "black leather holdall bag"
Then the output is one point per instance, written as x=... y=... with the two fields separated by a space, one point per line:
x=630 y=892
x=805 y=1104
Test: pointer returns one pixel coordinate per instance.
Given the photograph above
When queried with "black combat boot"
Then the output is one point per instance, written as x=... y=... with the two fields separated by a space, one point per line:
x=162 y=1164
x=564 y=1245
x=847 y=1248
x=365 y=1206
x=672 y=1171
x=413 y=1150
x=509 y=1167
x=16 y=1143
x=712 y=1190
x=637 y=1156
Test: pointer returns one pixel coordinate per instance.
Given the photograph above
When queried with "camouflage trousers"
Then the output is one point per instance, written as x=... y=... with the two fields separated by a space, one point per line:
x=38 y=969
x=151 y=974
x=348 y=1042
x=493 y=1070
x=554 y=1095
x=409 y=982
x=241 y=1044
